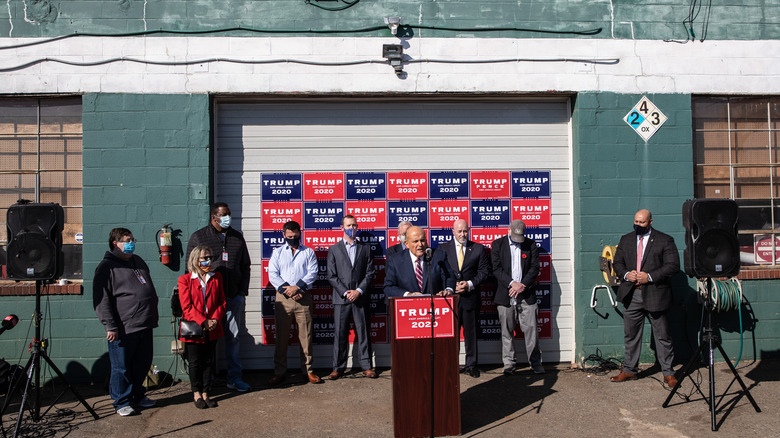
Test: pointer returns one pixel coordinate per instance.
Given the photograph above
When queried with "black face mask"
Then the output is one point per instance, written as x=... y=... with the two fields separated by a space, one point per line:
x=293 y=242
x=640 y=230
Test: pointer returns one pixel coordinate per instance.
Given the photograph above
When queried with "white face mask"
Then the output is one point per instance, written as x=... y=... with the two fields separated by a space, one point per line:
x=224 y=221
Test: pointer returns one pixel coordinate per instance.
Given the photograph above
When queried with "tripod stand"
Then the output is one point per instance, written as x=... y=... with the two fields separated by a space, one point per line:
x=33 y=372
x=710 y=341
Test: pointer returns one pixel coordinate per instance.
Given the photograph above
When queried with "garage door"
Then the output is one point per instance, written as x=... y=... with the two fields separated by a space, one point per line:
x=257 y=141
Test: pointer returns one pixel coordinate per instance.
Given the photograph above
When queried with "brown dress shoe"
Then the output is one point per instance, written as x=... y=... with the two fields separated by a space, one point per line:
x=313 y=378
x=335 y=375
x=623 y=376
x=671 y=381
x=371 y=374
x=277 y=379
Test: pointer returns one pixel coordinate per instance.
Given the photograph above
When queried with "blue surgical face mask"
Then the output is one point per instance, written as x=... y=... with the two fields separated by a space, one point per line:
x=128 y=247
x=350 y=232
x=224 y=221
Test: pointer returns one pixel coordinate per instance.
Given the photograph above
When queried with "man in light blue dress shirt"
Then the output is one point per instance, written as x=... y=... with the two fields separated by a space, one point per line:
x=292 y=271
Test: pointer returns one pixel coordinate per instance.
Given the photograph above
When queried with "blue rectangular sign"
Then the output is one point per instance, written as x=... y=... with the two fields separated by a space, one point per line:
x=448 y=185
x=542 y=237
x=490 y=213
x=282 y=187
x=543 y=296
x=376 y=239
x=271 y=240
x=415 y=212
x=439 y=236
x=366 y=186
x=322 y=215
x=531 y=184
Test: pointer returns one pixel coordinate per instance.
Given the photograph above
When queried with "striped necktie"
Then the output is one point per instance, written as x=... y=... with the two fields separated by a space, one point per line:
x=419 y=273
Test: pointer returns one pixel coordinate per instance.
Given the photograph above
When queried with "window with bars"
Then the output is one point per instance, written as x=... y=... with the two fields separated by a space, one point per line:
x=40 y=160
x=736 y=155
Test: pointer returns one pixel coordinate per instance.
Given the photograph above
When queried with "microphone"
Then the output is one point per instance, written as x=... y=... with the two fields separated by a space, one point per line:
x=428 y=254
x=9 y=322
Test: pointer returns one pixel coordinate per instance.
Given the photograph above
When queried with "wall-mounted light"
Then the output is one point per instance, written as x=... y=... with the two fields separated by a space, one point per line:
x=394 y=53
x=393 y=23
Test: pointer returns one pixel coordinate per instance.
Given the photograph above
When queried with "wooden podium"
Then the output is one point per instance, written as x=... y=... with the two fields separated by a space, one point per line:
x=410 y=345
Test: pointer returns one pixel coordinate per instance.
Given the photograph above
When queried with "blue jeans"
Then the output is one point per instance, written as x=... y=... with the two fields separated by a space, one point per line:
x=234 y=324
x=131 y=358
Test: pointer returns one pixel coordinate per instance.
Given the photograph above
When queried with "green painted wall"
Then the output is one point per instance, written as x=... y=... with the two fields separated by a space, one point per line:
x=146 y=163
x=615 y=174
x=623 y=19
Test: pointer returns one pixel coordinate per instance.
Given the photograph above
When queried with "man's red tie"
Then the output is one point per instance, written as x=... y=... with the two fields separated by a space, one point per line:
x=418 y=272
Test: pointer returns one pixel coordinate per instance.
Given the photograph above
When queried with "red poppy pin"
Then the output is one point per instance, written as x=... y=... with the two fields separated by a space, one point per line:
x=525 y=256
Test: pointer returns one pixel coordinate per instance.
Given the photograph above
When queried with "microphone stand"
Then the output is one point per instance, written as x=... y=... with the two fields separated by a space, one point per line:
x=428 y=289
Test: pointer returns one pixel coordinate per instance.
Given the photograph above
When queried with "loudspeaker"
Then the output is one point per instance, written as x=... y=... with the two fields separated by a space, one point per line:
x=711 y=243
x=34 y=249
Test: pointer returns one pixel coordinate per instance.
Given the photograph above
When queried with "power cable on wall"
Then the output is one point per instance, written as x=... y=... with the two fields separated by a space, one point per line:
x=369 y=29
x=601 y=61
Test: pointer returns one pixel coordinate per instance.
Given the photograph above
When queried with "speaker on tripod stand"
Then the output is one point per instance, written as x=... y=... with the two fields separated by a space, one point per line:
x=34 y=252
x=35 y=241
x=711 y=250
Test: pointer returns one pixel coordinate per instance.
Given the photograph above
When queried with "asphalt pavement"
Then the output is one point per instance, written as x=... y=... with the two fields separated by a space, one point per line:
x=564 y=402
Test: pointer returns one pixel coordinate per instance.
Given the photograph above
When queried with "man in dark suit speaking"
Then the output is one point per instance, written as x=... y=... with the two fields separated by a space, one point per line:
x=350 y=272
x=471 y=265
x=645 y=261
x=407 y=273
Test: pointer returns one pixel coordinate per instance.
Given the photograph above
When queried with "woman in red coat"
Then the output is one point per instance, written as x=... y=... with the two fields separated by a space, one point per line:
x=203 y=301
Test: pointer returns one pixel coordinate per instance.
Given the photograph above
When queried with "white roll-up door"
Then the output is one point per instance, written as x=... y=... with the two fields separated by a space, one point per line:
x=384 y=135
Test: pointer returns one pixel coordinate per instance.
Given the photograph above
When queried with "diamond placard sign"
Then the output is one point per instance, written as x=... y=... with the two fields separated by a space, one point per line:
x=645 y=118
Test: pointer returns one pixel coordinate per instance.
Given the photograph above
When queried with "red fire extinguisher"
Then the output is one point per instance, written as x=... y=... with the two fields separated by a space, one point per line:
x=164 y=244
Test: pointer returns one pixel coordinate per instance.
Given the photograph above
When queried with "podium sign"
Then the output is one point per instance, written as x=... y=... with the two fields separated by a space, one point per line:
x=413 y=318
x=415 y=390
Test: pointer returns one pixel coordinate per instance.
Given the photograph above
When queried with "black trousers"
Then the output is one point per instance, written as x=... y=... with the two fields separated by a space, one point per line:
x=201 y=361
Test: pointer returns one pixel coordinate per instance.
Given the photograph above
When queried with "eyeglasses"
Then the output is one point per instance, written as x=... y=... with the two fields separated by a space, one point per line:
x=206 y=258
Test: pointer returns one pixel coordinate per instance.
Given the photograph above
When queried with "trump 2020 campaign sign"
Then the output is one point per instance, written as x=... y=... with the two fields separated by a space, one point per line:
x=318 y=200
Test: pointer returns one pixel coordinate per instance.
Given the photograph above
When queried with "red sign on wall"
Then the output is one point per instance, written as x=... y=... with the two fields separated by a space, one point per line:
x=321 y=240
x=413 y=319
x=377 y=329
x=265 y=280
x=407 y=185
x=490 y=185
x=534 y=212
x=275 y=214
x=443 y=213
x=545 y=268
x=486 y=236
x=369 y=214
x=323 y=186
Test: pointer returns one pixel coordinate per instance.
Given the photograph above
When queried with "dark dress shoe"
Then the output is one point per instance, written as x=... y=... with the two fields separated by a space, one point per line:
x=509 y=371
x=201 y=404
x=313 y=378
x=371 y=374
x=474 y=372
x=210 y=403
x=275 y=380
x=671 y=381
x=623 y=376
x=335 y=375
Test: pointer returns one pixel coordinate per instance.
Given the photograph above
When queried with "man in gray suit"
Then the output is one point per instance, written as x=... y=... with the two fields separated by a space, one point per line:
x=645 y=261
x=350 y=272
